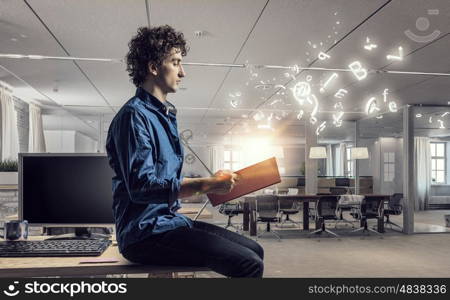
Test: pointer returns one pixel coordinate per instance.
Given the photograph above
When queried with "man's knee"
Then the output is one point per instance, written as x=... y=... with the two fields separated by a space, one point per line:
x=259 y=250
x=252 y=266
x=259 y=265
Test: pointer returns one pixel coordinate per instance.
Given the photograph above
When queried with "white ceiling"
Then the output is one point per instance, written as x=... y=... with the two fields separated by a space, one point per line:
x=251 y=31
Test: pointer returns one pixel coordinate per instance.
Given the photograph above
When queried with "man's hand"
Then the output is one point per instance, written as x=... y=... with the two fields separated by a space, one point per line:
x=223 y=182
x=220 y=183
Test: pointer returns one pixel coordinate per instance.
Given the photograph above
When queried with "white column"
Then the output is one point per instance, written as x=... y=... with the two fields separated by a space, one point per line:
x=355 y=162
x=408 y=170
x=310 y=164
x=101 y=133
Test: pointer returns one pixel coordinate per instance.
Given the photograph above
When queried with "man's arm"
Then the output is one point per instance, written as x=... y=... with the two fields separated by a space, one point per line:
x=221 y=183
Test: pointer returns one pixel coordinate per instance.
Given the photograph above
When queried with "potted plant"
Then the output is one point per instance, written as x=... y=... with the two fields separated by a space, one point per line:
x=8 y=172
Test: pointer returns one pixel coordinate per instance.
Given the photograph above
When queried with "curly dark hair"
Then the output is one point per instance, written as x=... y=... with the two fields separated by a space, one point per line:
x=152 y=44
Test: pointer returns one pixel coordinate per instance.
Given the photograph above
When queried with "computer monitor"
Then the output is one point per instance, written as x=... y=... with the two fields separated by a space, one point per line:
x=342 y=181
x=65 y=189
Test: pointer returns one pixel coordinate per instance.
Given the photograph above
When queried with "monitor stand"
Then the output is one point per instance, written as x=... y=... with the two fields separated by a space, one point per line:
x=81 y=233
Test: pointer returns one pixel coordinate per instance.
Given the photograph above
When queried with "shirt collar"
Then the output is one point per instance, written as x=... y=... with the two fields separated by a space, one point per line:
x=165 y=107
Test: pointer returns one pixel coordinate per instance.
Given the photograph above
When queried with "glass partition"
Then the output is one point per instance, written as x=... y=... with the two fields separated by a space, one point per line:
x=382 y=172
x=338 y=142
x=432 y=180
x=69 y=132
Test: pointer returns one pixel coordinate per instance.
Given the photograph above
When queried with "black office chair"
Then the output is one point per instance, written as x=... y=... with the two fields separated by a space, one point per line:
x=343 y=183
x=287 y=208
x=325 y=210
x=370 y=208
x=338 y=191
x=312 y=206
x=231 y=209
x=267 y=211
x=394 y=208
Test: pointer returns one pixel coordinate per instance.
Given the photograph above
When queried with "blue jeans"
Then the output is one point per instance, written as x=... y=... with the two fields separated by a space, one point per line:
x=204 y=245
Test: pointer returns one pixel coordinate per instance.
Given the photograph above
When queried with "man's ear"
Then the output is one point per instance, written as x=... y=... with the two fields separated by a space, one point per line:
x=152 y=69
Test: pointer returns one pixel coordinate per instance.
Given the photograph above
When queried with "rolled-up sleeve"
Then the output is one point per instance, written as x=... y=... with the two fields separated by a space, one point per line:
x=135 y=144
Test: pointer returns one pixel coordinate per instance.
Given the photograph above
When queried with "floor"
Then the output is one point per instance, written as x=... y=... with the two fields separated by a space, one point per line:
x=354 y=255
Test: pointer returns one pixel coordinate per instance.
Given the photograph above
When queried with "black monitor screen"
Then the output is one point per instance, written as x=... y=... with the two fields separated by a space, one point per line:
x=342 y=181
x=66 y=189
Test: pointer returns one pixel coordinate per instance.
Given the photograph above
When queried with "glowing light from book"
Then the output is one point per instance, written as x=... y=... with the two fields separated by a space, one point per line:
x=398 y=57
x=371 y=106
x=301 y=91
x=385 y=93
x=340 y=93
x=393 y=106
x=369 y=46
x=337 y=119
x=321 y=127
x=357 y=70
x=329 y=80
x=323 y=56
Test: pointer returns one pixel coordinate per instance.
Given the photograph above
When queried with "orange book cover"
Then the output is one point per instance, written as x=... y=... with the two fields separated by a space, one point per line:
x=252 y=178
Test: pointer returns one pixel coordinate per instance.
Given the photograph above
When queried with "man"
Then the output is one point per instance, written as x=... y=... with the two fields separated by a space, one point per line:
x=145 y=153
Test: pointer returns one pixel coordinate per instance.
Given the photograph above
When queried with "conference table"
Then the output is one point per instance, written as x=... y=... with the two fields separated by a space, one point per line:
x=249 y=210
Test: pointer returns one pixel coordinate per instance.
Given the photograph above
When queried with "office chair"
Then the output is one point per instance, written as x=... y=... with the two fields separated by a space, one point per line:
x=343 y=183
x=370 y=208
x=267 y=211
x=325 y=210
x=338 y=191
x=287 y=208
x=231 y=209
x=394 y=208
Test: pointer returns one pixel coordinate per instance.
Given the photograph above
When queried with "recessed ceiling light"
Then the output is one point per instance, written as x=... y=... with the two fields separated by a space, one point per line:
x=14 y=39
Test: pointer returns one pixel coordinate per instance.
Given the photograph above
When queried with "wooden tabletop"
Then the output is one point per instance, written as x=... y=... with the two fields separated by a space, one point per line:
x=72 y=266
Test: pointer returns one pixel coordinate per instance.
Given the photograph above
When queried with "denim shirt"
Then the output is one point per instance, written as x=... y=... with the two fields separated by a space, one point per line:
x=146 y=155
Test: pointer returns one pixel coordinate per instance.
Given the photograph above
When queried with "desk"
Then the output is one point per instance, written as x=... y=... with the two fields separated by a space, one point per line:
x=249 y=207
x=192 y=212
x=70 y=266
x=249 y=218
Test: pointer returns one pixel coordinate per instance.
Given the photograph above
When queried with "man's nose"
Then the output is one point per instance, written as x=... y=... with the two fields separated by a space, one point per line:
x=182 y=73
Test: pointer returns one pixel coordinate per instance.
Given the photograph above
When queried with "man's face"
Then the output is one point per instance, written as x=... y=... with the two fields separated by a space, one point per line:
x=170 y=72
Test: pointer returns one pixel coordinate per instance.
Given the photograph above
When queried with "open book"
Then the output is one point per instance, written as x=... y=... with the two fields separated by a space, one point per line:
x=252 y=178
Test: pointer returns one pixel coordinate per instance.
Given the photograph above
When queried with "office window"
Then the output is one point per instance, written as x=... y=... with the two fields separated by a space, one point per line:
x=349 y=167
x=232 y=159
x=389 y=166
x=438 y=163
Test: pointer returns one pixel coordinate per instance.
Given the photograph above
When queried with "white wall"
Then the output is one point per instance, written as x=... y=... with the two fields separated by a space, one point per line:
x=84 y=144
x=60 y=141
x=386 y=145
x=68 y=141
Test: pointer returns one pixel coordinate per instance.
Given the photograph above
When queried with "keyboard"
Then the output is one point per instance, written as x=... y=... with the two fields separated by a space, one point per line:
x=93 y=247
